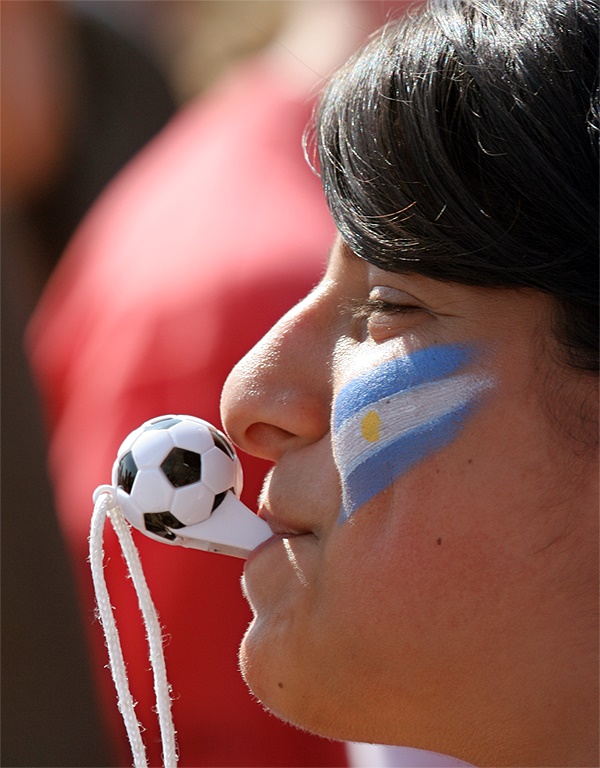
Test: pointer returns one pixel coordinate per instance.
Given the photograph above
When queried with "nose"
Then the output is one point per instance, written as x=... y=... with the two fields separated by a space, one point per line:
x=278 y=396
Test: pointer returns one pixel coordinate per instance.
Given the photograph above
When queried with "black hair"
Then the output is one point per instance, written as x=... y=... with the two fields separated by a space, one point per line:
x=461 y=143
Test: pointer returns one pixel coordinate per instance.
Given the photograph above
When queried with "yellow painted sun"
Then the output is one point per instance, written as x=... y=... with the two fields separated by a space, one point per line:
x=370 y=426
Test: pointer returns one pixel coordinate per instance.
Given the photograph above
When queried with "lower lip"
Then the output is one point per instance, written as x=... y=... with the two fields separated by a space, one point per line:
x=275 y=539
x=264 y=545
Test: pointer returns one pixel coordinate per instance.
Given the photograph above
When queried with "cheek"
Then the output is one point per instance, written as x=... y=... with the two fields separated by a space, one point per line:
x=414 y=585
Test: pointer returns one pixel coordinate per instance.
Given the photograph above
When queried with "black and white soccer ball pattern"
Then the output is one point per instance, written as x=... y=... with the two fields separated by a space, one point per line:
x=172 y=472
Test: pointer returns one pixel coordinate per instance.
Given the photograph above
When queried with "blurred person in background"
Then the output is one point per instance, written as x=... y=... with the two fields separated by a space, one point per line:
x=208 y=236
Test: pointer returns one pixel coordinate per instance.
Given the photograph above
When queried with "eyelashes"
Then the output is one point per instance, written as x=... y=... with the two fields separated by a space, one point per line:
x=364 y=309
x=380 y=319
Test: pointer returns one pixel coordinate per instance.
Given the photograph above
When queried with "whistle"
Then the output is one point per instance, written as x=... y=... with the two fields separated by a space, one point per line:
x=177 y=479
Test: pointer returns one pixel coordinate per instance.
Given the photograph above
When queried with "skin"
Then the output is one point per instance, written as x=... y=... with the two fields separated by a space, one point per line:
x=455 y=611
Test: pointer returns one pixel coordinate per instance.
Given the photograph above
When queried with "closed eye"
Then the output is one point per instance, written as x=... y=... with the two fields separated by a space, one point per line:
x=363 y=309
x=380 y=319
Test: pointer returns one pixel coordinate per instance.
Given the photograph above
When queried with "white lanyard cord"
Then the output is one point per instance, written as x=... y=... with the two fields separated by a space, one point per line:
x=105 y=504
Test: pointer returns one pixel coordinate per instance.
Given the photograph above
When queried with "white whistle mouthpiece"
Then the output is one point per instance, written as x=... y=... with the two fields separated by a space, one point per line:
x=177 y=479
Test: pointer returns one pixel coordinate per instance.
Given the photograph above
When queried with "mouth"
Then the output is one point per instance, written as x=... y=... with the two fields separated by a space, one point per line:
x=285 y=525
x=280 y=527
x=283 y=532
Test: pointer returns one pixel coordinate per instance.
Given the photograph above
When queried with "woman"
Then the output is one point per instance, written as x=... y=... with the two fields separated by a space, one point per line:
x=431 y=407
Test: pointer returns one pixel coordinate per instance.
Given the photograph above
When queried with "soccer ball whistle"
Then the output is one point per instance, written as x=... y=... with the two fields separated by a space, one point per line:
x=177 y=479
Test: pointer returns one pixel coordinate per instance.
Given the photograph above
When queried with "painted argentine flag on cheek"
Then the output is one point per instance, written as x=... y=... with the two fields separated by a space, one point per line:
x=395 y=415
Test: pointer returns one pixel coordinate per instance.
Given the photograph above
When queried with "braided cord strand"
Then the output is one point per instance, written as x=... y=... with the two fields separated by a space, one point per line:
x=154 y=636
x=125 y=701
x=106 y=502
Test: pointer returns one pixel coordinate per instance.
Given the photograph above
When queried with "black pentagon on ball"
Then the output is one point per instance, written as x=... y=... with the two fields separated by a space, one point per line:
x=127 y=472
x=163 y=424
x=159 y=523
x=182 y=467
x=222 y=444
x=219 y=499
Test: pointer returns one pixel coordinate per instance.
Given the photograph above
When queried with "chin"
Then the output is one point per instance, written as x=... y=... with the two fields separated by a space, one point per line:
x=285 y=695
x=290 y=695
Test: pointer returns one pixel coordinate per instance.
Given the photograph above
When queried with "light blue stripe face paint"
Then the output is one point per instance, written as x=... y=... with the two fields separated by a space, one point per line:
x=397 y=414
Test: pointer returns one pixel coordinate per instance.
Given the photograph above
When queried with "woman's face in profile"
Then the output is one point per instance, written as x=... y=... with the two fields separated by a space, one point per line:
x=423 y=488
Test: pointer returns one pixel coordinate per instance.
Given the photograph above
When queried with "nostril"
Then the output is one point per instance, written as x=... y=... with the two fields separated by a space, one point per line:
x=266 y=441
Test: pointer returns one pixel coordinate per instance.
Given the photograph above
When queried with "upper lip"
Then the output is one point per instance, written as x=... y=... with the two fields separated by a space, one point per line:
x=279 y=526
x=284 y=522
